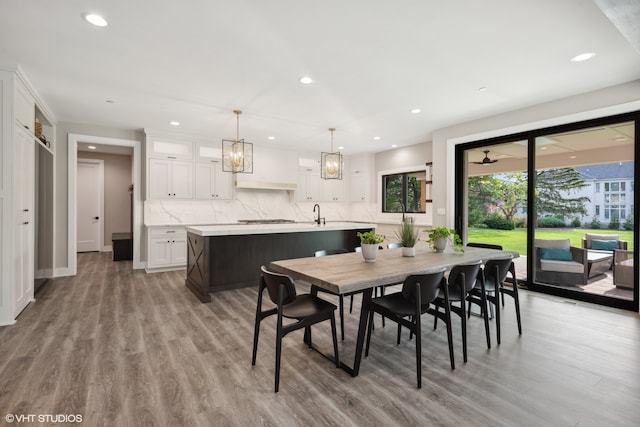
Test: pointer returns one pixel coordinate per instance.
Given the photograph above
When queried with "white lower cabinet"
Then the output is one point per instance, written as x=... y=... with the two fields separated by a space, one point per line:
x=166 y=248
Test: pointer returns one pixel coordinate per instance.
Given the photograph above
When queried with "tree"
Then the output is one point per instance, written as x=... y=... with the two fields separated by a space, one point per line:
x=507 y=193
x=553 y=192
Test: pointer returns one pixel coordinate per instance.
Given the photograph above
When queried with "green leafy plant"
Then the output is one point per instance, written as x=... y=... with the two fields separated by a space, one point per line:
x=408 y=234
x=448 y=233
x=370 y=237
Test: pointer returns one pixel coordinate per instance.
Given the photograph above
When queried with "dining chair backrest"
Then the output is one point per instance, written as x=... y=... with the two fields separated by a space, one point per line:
x=273 y=281
x=484 y=245
x=359 y=248
x=331 y=252
x=468 y=271
x=429 y=286
x=394 y=245
x=501 y=266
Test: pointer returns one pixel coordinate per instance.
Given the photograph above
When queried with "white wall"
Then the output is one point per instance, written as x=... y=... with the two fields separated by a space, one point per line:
x=601 y=103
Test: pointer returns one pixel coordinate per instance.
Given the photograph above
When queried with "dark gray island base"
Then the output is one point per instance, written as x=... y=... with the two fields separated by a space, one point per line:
x=219 y=260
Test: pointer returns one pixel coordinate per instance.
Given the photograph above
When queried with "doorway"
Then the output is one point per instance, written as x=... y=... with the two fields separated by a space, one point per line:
x=90 y=214
x=74 y=140
x=563 y=192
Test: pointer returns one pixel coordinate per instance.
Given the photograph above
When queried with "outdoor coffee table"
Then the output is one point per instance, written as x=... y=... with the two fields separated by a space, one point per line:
x=599 y=262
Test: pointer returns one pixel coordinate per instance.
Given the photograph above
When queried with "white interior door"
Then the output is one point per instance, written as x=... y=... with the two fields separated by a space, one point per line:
x=90 y=192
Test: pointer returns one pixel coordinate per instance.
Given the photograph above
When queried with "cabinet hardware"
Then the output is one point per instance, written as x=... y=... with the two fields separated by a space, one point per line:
x=26 y=222
x=171 y=231
x=25 y=210
x=96 y=218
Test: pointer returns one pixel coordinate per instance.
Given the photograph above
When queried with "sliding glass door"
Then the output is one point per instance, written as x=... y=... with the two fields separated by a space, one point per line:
x=564 y=199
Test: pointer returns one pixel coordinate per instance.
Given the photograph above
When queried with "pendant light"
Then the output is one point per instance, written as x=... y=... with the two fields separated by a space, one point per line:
x=331 y=164
x=237 y=155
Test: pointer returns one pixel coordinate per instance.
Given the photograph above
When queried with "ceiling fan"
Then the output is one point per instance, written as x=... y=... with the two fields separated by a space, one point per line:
x=486 y=160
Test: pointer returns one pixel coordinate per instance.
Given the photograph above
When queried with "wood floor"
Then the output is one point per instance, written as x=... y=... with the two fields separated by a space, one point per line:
x=124 y=348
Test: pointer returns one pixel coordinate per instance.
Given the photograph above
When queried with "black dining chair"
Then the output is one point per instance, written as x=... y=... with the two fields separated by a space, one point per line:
x=394 y=245
x=305 y=308
x=495 y=275
x=486 y=246
x=462 y=279
x=406 y=307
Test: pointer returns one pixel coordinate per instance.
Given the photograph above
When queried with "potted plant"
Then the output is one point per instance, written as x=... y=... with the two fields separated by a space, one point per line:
x=370 y=241
x=439 y=236
x=408 y=235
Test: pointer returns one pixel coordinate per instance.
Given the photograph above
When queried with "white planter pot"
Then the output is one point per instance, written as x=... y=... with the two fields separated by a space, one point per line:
x=369 y=252
x=440 y=244
x=408 y=251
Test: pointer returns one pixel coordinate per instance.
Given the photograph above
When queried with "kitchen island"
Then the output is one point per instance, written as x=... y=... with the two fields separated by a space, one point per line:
x=221 y=257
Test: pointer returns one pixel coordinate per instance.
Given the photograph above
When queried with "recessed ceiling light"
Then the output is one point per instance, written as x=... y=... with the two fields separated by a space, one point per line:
x=174 y=123
x=416 y=110
x=91 y=147
x=271 y=137
x=306 y=80
x=393 y=146
x=620 y=138
x=94 y=19
x=377 y=138
x=340 y=147
x=543 y=148
x=573 y=157
x=583 y=57
x=482 y=89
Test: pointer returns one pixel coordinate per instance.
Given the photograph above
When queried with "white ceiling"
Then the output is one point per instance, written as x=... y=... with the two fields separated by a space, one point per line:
x=372 y=61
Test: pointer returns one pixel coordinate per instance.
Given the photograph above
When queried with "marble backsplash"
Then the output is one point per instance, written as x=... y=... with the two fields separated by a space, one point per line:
x=252 y=204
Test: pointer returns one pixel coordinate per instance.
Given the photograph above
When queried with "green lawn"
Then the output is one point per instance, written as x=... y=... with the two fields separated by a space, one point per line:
x=516 y=240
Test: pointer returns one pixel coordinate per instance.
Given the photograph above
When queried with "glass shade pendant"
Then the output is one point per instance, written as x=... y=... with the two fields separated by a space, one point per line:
x=331 y=164
x=237 y=155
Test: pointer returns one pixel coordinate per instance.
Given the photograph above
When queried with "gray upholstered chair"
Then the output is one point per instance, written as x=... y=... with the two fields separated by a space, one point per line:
x=623 y=269
x=559 y=263
x=602 y=242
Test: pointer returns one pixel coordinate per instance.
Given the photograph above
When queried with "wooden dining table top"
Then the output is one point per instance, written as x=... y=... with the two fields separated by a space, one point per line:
x=346 y=273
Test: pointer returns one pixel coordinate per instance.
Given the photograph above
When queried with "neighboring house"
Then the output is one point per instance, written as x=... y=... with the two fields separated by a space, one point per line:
x=610 y=189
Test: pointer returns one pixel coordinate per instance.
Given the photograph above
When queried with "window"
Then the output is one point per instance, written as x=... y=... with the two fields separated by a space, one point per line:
x=597 y=187
x=615 y=200
x=404 y=190
x=597 y=210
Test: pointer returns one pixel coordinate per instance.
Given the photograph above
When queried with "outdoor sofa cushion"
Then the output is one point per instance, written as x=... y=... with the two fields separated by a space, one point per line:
x=604 y=245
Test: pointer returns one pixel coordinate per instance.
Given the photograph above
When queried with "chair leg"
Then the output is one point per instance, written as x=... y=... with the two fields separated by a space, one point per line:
x=491 y=312
x=485 y=318
x=369 y=328
x=351 y=305
x=417 y=321
x=447 y=315
x=463 y=316
x=399 y=332
x=382 y=294
x=342 y=317
x=334 y=335
x=498 y=321
x=435 y=317
x=278 y=351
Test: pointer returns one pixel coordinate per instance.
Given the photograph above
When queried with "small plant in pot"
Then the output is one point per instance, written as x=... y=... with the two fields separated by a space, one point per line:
x=408 y=234
x=439 y=236
x=370 y=241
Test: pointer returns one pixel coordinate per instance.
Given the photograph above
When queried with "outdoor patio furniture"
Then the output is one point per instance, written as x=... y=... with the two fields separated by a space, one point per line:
x=623 y=269
x=559 y=263
x=603 y=242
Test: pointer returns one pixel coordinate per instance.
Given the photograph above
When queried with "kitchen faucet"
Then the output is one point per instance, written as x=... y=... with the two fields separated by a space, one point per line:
x=317 y=221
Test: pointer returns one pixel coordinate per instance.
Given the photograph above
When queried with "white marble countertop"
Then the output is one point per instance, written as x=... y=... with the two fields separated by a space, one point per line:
x=298 y=227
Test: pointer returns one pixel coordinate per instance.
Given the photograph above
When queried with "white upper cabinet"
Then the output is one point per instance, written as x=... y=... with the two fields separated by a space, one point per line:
x=25 y=108
x=362 y=181
x=333 y=190
x=167 y=149
x=211 y=182
x=208 y=152
x=170 y=179
x=309 y=185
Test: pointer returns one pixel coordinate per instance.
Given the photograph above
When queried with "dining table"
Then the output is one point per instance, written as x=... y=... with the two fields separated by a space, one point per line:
x=347 y=273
